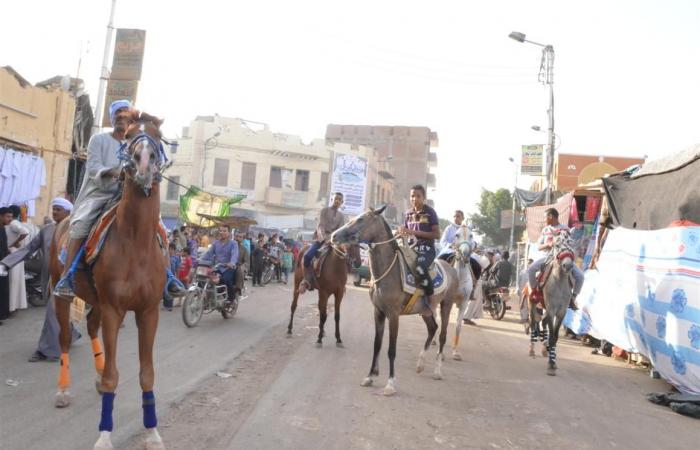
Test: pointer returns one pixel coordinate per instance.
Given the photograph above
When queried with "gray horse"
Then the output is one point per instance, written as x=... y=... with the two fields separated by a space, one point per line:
x=557 y=291
x=463 y=269
x=388 y=296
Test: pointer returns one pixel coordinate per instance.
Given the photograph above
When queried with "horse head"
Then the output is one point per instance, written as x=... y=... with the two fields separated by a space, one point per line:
x=143 y=154
x=367 y=228
x=354 y=256
x=562 y=251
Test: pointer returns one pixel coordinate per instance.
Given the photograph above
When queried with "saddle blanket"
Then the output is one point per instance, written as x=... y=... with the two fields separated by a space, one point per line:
x=409 y=280
x=98 y=235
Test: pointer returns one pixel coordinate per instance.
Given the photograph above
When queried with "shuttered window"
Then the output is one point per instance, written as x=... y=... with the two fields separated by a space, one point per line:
x=302 y=181
x=275 y=177
x=248 y=176
x=221 y=172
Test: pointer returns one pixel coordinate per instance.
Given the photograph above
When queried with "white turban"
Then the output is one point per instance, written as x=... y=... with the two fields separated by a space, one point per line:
x=63 y=203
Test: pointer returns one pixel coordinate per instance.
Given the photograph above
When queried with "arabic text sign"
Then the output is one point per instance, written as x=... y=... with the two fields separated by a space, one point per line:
x=531 y=161
x=350 y=178
x=128 y=54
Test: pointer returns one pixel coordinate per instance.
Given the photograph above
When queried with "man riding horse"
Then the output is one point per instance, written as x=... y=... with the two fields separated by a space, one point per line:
x=422 y=228
x=545 y=243
x=330 y=220
x=100 y=186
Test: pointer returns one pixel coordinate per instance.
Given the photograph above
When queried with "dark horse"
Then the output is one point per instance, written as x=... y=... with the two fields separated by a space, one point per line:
x=332 y=279
x=127 y=276
x=388 y=296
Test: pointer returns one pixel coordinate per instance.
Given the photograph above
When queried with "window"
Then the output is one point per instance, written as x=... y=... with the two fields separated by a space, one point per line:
x=173 y=188
x=302 y=181
x=248 y=176
x=323 y=189
x=275 y=177
x=220 y=172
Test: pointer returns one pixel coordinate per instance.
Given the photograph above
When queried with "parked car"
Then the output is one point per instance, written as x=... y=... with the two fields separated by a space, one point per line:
x=362 y=273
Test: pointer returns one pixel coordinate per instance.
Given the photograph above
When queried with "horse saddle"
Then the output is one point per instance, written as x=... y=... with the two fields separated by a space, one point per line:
x=407 y=263
x=537 y=293
x=98 y=235
x=320 y=259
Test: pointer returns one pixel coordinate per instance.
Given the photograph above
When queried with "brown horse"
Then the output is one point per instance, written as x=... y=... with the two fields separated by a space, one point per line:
x=332 y=279
x=127 y=276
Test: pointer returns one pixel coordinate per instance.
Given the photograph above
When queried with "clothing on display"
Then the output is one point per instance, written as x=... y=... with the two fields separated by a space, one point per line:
x=21 y=177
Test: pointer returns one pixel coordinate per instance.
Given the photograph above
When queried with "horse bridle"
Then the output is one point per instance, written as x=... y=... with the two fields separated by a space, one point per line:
x=125 y=154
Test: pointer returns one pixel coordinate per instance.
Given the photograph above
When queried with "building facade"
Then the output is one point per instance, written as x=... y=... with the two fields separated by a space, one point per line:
x=571 y=170
x=409 y=153
x=38 y=121
x=284 y=180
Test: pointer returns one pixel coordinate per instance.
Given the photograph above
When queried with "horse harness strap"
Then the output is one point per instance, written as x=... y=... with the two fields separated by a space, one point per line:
x=375 y=280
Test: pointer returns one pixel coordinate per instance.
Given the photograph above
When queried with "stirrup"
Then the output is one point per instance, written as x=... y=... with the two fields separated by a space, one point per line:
x=181 y=289
x=65 y=288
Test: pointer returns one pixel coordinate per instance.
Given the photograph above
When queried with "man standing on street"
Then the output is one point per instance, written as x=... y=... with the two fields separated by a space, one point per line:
x=5 y=218
x=48 y=348
x=330 y=220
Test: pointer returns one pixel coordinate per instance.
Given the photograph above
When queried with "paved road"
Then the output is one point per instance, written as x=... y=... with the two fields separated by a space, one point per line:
x=285 y=393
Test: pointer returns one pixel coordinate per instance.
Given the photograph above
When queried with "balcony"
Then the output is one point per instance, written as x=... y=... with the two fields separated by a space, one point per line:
x=432 y=160
x=286 y=198
x=431 y=181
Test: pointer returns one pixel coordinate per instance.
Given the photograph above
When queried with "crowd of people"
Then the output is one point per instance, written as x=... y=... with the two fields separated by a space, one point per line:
x=240 y=256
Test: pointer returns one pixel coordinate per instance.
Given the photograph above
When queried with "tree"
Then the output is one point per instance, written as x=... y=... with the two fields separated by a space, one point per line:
x=488 y=220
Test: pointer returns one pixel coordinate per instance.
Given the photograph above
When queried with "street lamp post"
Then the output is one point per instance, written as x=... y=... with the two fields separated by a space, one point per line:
x=546 y=76
x=204 y=154
x=512 y=217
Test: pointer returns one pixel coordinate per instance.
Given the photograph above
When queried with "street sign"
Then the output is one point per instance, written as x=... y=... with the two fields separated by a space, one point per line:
x=128 y=54
x=532 y=159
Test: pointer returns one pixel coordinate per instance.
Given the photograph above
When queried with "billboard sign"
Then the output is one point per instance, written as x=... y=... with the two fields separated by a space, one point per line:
x=532 y=160
x=350 y=178
x=128 y=54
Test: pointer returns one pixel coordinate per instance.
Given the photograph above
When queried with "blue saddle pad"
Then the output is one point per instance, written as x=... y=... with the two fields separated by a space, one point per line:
x=438 y=279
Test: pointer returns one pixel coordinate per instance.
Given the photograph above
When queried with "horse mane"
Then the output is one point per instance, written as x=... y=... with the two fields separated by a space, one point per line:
x=139 y=118
x=393 y=243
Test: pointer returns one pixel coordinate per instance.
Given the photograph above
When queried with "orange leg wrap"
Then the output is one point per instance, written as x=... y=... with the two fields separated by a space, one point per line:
x=456 y=340
x=98 y=354
x=64 y=374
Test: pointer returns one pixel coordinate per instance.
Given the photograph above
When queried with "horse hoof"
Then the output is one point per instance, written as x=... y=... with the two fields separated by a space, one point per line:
x=154 y=446
x=319 y=344
x=389 y=389
x=532 y=353
x=551 y=372
x=62 y=399
x=437 y=376
x=289 y=332
x=339 y=345
x=456 y=356
x=419 y=368
x=367 y=382
x=104 y=442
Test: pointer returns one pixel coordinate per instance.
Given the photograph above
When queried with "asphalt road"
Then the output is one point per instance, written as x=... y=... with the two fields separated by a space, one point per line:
x=285 y=393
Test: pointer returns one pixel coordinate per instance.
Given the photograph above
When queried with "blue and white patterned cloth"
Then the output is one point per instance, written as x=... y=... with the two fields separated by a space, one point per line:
x=645 y=297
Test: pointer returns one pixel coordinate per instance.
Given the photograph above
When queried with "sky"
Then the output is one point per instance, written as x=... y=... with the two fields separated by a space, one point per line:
x=626 y=73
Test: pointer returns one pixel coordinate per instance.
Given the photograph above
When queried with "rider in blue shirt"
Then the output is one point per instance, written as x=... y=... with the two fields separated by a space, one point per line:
x=224 y=251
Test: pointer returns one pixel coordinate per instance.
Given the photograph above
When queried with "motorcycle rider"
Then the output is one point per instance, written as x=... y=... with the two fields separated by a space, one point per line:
x=330 y=220
x=545 y=243
x=422 y=228
x=224 y=251
x=500 y=276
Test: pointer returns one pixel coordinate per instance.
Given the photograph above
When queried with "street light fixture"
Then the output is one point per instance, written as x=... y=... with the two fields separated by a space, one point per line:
x=204 y=153
x=546 y=76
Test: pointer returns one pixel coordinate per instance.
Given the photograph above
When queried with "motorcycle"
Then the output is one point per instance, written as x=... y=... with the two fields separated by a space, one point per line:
x=497 y=299
x=269 y=268
x=207 y=294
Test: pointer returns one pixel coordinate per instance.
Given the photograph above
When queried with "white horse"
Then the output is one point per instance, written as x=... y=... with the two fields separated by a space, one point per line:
x=464 y=244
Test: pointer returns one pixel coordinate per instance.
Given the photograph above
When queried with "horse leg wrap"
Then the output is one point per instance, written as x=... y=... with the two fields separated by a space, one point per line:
x=552 y=354
x=149 y=410
x=545 y=335
x=534 y=332
x=64 y=372
x=98 y=354
x=107 y=405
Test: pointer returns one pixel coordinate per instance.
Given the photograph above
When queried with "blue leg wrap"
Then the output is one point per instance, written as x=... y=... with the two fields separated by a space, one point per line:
x=67 y=281
x=149 y=410
x=107 y=404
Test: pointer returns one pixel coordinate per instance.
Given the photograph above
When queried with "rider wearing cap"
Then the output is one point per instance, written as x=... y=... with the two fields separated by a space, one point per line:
x=100 y=185
x=545 y=243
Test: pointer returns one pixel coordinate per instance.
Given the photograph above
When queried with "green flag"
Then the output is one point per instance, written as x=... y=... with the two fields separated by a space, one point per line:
x=197 y=201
